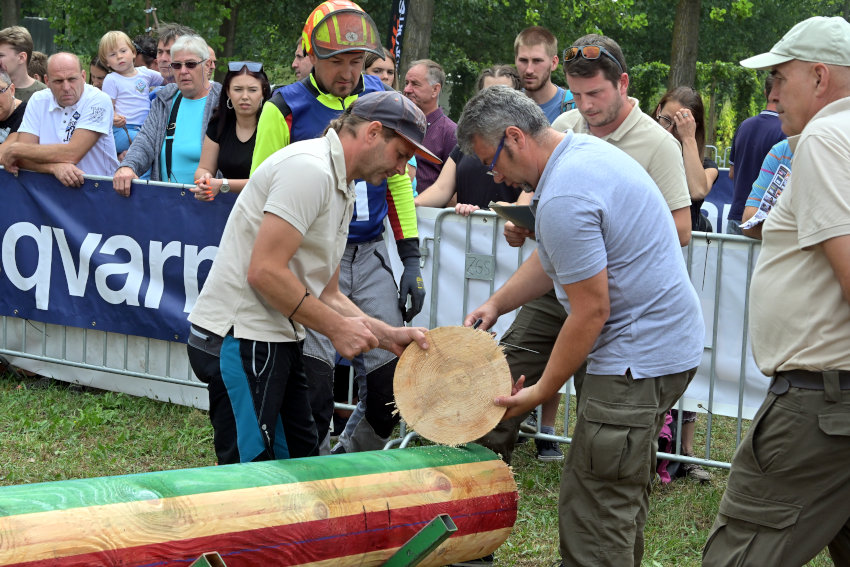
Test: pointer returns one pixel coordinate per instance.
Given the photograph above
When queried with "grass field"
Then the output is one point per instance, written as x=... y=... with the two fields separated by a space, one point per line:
x=65 y=432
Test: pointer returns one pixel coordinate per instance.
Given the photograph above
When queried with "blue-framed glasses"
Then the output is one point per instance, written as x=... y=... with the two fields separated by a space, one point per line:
x=490 y=170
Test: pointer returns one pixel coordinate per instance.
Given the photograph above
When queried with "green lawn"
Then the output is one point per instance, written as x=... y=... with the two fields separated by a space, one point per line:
x=65 y=432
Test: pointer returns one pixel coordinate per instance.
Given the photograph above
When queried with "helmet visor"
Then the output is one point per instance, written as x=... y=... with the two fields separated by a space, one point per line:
x=344 y=31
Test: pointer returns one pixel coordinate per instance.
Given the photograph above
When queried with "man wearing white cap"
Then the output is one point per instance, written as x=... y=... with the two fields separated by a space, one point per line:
x=277 y=272
x=790 y=482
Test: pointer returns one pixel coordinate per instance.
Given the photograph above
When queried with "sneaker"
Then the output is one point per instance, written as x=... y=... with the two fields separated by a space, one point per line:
x=339 y=449
x=481 y=561
x=548 y=451
x=695 y=472
x=530 y=424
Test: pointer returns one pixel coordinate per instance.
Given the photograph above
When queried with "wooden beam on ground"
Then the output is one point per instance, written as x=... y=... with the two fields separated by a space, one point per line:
x=321 y=511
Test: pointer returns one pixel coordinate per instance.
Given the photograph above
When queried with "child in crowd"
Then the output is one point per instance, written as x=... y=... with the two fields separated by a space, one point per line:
x=127 y=85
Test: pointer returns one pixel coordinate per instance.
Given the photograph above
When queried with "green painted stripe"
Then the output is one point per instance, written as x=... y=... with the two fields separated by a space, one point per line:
x=67 y=494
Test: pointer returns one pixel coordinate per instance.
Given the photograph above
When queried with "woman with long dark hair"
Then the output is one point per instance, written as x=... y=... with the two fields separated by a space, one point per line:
x=681 y=112
x=232 y=131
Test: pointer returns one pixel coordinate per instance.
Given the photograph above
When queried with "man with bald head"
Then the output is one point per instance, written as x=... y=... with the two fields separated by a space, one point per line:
x=66 y=129
x=791 y=473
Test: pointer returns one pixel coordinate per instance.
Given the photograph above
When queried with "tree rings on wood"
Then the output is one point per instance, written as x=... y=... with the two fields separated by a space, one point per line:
x=445 y=393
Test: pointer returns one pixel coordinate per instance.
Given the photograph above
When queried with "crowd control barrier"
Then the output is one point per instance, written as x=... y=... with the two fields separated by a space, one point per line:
x=95 y=288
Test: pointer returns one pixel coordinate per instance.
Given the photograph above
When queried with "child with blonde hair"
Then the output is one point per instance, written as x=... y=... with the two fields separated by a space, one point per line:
x=127 y=85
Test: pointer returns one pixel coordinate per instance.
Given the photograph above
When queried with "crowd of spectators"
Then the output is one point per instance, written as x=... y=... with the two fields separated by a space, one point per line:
x=151 y=110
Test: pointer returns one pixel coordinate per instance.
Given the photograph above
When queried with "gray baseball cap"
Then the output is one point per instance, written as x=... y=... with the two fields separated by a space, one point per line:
x=818 y=40
x=398 y=113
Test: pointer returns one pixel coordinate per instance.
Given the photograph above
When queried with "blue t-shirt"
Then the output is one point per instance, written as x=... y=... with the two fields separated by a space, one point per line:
x=558 y=104
x=186 y=148
x=586 y=202
x=780 y=154
x=753 y=139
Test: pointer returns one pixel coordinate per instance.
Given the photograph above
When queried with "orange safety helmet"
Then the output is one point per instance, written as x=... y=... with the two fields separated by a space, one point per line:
x=340 y=26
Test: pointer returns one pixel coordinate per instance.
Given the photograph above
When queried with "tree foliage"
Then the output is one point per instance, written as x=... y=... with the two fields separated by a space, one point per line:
x=469 y=35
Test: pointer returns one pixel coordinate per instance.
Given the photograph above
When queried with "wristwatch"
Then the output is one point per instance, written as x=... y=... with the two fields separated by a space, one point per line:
x=225 y=185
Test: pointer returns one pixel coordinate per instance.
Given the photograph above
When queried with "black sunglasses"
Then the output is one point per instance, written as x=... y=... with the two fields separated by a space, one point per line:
x=253 y=66
x=589 y=52
x=176 y=65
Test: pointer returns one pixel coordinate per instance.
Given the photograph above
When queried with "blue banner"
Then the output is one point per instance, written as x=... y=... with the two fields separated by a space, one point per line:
x=90 y=258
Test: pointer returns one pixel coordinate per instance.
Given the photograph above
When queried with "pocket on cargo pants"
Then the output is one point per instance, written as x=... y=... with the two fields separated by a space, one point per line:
x=749 y=531
x=618 y=440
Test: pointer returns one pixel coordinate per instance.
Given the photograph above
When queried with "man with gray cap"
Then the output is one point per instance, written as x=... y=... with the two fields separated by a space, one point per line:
x=790 y=482
x=277 y=272
x=336 y=38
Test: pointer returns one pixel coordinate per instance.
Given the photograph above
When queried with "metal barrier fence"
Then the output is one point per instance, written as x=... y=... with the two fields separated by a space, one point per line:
x=160 y=369
x=704 y=251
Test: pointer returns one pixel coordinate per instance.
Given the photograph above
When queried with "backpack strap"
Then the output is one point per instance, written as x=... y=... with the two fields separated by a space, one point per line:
x=169 y=135
x=278 y=100
x=569 y=102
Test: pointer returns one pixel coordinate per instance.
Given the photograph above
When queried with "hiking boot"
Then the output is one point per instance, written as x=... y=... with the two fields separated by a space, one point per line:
x=480 y=562
x=530 y=424
x=694 y=471
x=548 y=451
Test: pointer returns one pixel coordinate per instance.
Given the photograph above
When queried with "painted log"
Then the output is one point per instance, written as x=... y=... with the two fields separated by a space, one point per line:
x=338 y=510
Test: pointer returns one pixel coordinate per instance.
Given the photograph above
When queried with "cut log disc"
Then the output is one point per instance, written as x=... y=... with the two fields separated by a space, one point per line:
x=445 y=393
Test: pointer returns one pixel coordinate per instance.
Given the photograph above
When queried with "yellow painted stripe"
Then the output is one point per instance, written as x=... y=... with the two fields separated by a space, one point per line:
x=62 y=533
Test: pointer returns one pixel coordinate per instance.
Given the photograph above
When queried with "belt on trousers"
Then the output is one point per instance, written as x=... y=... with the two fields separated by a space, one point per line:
x=806 y=380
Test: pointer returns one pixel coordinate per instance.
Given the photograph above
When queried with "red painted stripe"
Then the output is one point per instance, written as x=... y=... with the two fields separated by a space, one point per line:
x=307 y=542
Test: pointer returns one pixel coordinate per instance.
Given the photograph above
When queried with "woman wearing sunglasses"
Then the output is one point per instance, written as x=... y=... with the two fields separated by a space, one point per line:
x=682 y=113
x=232 y=131
x=170 y=140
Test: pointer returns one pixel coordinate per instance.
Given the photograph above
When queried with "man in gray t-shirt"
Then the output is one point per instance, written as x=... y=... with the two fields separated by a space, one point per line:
x=634 y=314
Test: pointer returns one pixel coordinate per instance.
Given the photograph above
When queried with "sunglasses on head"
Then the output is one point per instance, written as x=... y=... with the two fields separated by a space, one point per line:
x=253 y=66
x=589 y=52
x=176 y=65
x=143 y=51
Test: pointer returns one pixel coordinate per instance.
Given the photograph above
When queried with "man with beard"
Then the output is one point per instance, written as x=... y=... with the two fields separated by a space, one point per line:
x=597 y=76
x=336 y=38
x=277 y=272
x=536 y=56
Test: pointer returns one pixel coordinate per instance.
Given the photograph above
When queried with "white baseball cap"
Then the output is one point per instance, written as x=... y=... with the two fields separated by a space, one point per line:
x=818 y=40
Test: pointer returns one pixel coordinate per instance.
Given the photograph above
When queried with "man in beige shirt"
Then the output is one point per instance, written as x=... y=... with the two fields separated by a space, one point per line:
x=790 y=482
x=277 y=272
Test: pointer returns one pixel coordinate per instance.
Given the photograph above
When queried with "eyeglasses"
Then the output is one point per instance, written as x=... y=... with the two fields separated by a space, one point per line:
x=589 y=52
x=176 y=65
x=6 y=88
x=253 y=66
x=665 y=122
x=490 y=170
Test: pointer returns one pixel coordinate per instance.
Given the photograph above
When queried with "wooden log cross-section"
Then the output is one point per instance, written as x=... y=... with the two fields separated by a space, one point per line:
x=351 y=509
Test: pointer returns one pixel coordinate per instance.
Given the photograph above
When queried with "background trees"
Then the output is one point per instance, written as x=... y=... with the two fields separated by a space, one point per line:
x=697 y=42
